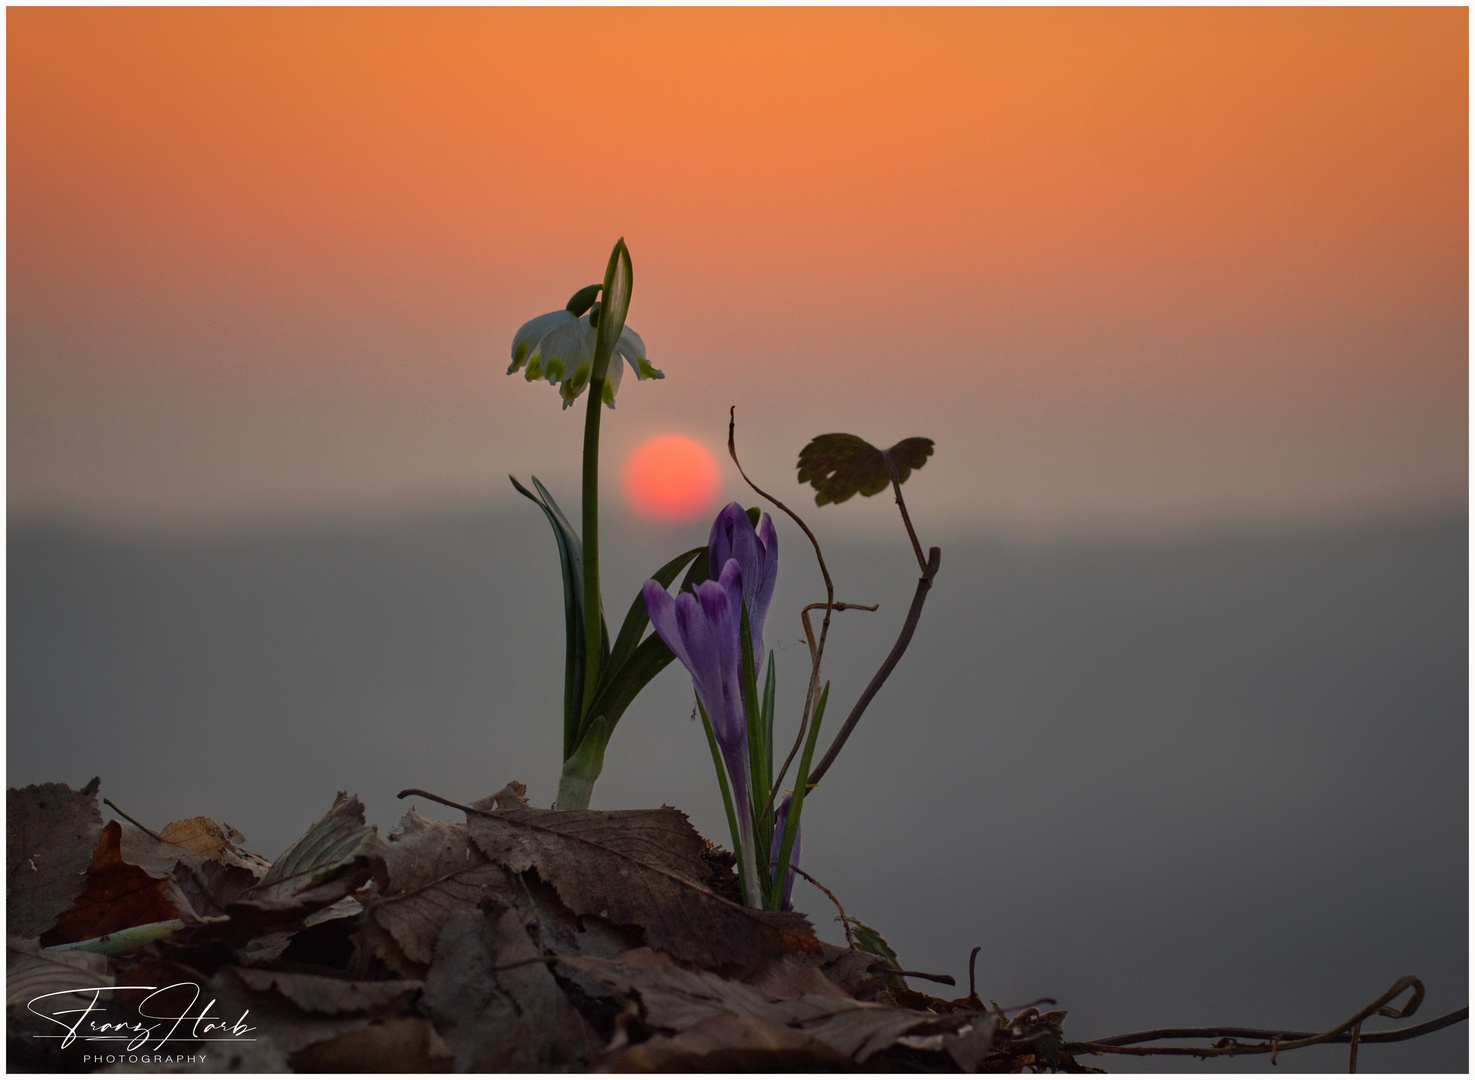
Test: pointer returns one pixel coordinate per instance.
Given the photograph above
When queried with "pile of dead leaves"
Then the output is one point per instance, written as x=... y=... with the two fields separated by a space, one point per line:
x=523 y=940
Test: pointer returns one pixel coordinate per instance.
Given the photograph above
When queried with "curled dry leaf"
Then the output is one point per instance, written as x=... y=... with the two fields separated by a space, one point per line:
x=208 y=837
x=334 y=857
x=51 y=832
x=512 y=797
x=643 y=868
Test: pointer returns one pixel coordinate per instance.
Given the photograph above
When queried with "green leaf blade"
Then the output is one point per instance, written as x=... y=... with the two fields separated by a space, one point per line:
x=571 y=564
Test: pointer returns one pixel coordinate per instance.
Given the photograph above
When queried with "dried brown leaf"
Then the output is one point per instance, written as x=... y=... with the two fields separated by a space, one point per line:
x=494 y=1016
x=331 y=996
x=214 y=840
x=433 y=873
x=731 y=1043
x=674 y=999
x=405 y=1044
x=273 y=1014
x=118 y=894
x=31 y=972
x=337 y=855
x=51 y=832
x=786 y=978
x=643 y=868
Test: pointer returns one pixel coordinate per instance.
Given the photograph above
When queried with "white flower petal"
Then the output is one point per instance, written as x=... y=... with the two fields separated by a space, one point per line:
x=567 y=343
x=612 y=381
x=633 y=350
x=525 y=341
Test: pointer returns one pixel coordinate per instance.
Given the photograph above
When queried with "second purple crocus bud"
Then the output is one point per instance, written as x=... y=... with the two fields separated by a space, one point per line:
x=756 y=552
x=780 y=820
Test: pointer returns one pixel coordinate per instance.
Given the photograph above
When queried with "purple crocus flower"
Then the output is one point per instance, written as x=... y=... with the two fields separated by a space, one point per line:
x=756 y=551
x=780 y=821
x=703 y=629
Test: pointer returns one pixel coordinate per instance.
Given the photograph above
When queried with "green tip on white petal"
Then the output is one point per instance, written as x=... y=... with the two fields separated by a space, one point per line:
x=645 y=371
x=519 y=354
x=535 y=369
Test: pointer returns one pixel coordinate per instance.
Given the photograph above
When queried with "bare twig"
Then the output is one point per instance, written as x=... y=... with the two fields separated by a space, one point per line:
x=924 y=585
x=815 y=652
x=972 y=983
x=778 y=781
x=195 y=872
x=844 y=918
x=134 y=821
x=444 y=802
x=902 y=506
x=1349 y=1031
x=946 y=980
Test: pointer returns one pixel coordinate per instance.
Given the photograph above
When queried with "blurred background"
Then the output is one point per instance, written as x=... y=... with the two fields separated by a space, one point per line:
x=1181 y=295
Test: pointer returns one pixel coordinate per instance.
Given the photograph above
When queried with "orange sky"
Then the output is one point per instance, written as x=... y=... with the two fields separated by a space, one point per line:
x=1176 y=265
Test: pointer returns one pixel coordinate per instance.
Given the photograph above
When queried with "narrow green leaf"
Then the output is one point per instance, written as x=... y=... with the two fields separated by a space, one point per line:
x=578 y=550
x=570 y=561
x=637 y=619
x=645 y=663
x=801 y=785
x=700 y=571
x=756 y=756
x=769 y=686
x=732 y=822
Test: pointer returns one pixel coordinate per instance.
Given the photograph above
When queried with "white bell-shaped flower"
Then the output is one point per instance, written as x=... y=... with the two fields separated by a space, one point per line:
x=559 y=347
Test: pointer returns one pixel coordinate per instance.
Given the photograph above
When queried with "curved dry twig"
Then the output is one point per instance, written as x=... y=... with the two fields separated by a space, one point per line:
x=924 y=585
x=1349 y=1031
x=844 y=918
x=815 y=652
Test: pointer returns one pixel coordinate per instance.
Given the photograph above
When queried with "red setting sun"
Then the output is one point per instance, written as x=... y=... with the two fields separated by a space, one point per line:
x=670 y=479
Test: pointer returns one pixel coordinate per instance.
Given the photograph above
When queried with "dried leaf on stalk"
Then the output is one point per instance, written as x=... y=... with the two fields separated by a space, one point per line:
x=839 y=465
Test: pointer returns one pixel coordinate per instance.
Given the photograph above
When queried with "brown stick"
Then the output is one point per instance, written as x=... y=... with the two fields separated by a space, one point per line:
x=1346 y=1032
x=824 y=626
x=924 y=585
x=902 y=506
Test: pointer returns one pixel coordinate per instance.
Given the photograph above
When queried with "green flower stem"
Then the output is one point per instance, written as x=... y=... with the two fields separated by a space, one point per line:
x=732 y=818
x=593 y=639
x=576 y=781
x=762 y=815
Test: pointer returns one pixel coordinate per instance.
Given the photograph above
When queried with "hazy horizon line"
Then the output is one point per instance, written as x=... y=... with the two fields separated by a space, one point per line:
x=866 y=527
